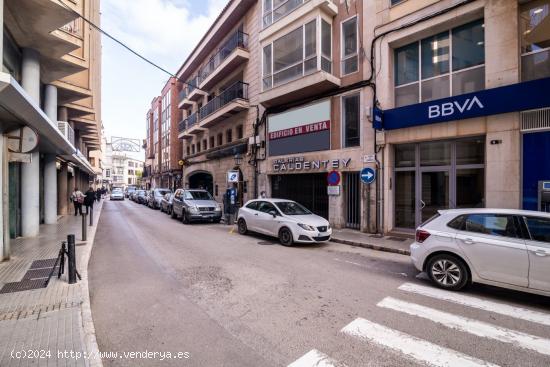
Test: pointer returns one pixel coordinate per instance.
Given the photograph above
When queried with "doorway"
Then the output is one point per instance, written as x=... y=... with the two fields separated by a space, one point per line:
x=437 y=175
x=202 y=180
x=352 y=187
x=310 y=190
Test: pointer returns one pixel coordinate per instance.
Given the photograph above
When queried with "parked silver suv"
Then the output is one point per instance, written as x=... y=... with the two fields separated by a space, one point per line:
x=155 y=197
x=195 y=205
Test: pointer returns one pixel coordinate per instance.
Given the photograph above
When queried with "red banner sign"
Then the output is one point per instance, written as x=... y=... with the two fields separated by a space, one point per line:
x=300 y=130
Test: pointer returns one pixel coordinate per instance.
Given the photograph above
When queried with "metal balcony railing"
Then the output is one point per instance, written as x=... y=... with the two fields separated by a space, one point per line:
x=239 y=90
x=188 y=122
x=189 y=87
x=237 y=40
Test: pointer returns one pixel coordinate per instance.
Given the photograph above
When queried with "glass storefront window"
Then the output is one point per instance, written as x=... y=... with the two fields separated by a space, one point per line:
x=442 y=70
x=435 y=55
x=406 y=64
x=535 y=39
x=470 y=188
x=471 y=151
x=435 y=175
x=404 y=199
x=436 y=153
x=405 y=155
x=468 y=45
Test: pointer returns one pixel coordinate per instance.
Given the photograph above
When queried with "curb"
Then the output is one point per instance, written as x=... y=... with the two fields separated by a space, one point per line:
x=372 y=246
x=88 y=328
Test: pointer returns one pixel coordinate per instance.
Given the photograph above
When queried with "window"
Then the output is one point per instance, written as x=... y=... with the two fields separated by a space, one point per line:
x=273 y=10
x=350 y=63
x=12 y=57
x=491 y=224
x=253 y=205
x=266 y=207
x=539 y=228
x=395 y=2
x=535 y=39
x=204 y=144
x=229 y=136
x=211 y=142
x=131 y=172
x=188 y=150
x=351 y=118
x=296 y=54
x=107 y=172
x=193 y=149
x=326 y=46
x=448 y=63
x=198 y=147
x=240 y=132
x=220 y=139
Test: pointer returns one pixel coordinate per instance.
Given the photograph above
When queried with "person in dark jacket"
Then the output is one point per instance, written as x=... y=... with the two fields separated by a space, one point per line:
x=89 y=199
x=98 y=194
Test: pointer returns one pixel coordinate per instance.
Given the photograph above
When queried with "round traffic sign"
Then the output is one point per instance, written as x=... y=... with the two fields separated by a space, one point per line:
x=333 y=178
x=368 y=175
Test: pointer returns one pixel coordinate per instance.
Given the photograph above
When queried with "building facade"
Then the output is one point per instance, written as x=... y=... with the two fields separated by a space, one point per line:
x=220 y=103
x=444 y=103
x=464 y=120
x=49 y=91
x=163 y=148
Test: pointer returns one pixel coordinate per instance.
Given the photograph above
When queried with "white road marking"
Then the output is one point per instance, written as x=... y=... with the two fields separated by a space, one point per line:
x=481 y=304
x=418 y=349
x=479 y=328
x=314 y=358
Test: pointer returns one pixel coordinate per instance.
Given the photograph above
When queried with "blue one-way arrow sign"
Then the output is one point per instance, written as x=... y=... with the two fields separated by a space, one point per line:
x=368 y=175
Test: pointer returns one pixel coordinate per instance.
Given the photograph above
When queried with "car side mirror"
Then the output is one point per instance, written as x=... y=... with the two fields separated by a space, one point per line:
x=273 y=213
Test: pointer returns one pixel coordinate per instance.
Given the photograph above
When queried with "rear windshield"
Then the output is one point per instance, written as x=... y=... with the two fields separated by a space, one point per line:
x=198 y=195
x=430 y=219
x=162 y=192
x=117 y=190
x=292 y=208
x=131 y=189
x=141 y=192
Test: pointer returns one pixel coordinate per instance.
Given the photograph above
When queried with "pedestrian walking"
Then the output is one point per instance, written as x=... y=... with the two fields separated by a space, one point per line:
x=98 y=194
x=77 y=197
x=89 y=199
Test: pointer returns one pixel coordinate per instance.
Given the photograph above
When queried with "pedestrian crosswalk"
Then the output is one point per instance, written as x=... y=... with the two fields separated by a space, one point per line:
x=424 y=352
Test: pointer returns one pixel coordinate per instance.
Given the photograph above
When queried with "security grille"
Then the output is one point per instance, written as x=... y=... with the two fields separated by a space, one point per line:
x=353 y=199
x=535 y=120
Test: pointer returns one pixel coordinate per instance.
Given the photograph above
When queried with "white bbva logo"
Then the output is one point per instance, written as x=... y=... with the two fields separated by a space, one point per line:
x=449 y=108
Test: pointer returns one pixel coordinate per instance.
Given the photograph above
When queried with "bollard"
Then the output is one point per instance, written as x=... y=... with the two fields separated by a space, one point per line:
x=71 y=253
x=91 y=216
x=84 y=228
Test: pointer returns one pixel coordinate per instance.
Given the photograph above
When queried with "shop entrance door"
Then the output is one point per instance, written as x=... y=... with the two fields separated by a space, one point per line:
x=310 y=190
x=434 y=194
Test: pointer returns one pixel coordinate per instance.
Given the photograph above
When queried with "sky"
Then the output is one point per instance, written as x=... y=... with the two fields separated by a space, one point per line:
x=164 y=31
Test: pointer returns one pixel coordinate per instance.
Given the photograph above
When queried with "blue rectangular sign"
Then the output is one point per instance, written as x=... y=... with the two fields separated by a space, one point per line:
x=511 y=98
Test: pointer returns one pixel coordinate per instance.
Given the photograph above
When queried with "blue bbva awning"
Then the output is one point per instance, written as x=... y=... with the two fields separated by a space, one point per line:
x=510 y=98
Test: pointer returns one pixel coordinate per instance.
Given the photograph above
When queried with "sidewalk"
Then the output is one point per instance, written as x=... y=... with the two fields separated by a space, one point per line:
x=54 y=321
x=398 y=245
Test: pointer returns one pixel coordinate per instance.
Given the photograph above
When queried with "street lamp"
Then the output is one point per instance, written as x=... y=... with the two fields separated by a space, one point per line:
x=238 y=159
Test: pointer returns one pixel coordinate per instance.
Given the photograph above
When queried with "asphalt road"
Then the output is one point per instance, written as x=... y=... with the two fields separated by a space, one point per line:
x=158 y=285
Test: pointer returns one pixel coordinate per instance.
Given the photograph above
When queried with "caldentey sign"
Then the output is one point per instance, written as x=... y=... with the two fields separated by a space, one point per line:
x=511 y=98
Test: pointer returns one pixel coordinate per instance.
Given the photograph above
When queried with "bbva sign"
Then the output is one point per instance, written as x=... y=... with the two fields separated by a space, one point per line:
x=450 y=108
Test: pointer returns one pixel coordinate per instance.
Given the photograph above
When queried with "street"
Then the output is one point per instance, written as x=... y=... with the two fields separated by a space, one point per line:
x=230 y=300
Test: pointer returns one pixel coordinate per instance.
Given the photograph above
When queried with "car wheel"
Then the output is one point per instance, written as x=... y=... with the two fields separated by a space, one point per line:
x=285 y=237
x=448 y=272
x=241 y=225
x=184 y=217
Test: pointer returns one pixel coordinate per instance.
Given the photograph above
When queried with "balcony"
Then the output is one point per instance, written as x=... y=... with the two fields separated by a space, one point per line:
x=231 y=101
x=298 y=81
x=189 y=126
x=231 y=54
x=190 y=93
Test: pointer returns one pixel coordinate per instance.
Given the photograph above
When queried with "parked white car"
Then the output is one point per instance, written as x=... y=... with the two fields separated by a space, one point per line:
x=117 y=194
x=501 y=247
x=285 y=219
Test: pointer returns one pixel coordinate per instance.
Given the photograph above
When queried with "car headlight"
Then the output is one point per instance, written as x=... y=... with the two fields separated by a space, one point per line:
x=193 y=209
x=306 y=227
x=218 y=207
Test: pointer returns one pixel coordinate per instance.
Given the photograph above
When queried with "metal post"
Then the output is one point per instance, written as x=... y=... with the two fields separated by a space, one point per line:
x=72 y=258
x=84 y=228
x=91 y=216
